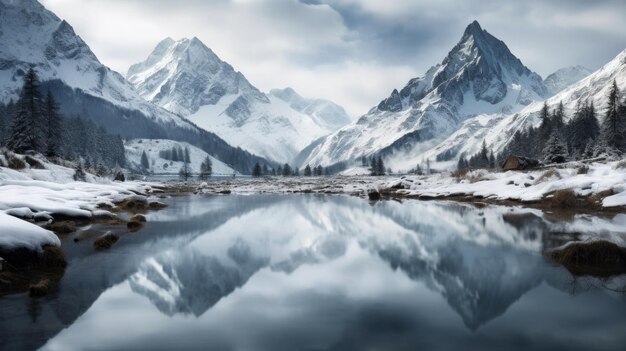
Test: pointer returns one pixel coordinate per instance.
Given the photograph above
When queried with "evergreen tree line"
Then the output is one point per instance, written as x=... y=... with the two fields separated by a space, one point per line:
x=557 y=141
x=34 y=124
x=176 y=154
x=287 y=171
x=376 y=165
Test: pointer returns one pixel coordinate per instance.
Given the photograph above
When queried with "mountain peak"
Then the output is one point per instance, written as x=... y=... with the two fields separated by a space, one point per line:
x=473 y=28
x=184 y=75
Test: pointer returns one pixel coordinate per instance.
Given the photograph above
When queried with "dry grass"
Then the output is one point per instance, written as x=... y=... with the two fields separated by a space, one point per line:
x=460 y=173
x=14 y=161
x=551 y=173
x=156 y=205
x=597 y=258
x=62 y=227
x=138 y=218
x=53 y=256
x=584 y=169
x=105 y=241
x=565 y=198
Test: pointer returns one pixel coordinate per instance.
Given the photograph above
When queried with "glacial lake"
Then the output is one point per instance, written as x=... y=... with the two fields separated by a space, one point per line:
x=312 y=272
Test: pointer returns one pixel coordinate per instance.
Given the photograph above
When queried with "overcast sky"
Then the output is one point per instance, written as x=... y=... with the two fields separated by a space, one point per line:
x=353 y=52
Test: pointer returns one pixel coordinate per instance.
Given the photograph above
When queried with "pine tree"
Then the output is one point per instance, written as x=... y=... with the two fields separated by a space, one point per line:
x=296 y=172
x=555 y=150
x=185 y=171
x=461 y=165
x=374 y=166
x=557 y=122
x=287 y=171
x=266 y=170
x=187 y=157
x=380 y=167
x=79 y=173
x=145 y=164
x=611 y=137
x=52 y=127
x=175 y=157
x=544 y=131
x=492 y=160
x=3 y=124
x=257 y=171
x=363 y=161
x=206 y=168
x=26 y=125
x=279 y=170
x=582 y=130
x=307 y=171
x=418 y=170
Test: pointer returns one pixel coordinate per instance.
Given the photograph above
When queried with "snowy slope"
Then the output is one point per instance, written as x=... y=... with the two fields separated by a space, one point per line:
x=325 y=113
x=497 y=130
x=186 y=77
x=479 y=75
x=30 y=35
x=565 y=77
x=152 y=147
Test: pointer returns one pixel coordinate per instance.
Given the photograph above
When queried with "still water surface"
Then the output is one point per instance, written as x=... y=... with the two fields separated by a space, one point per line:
x=298 y=272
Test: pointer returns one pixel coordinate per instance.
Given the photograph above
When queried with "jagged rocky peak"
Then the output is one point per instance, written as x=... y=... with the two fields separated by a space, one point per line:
x=480 y=64
x=183 y=75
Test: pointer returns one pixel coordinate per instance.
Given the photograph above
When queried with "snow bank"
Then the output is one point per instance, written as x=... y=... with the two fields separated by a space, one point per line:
x=38 y=193
x=522 y=186
x=16 y=233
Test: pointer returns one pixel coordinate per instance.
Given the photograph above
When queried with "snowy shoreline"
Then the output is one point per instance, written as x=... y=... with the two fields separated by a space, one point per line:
x=604 y=183
x=35 y=199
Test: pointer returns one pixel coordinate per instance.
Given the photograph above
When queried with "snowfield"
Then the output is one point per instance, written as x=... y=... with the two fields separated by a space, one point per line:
x=40 y=195
x=523 y=187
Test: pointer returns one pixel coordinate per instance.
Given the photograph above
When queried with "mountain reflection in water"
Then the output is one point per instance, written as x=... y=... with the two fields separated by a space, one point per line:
x=335 y=272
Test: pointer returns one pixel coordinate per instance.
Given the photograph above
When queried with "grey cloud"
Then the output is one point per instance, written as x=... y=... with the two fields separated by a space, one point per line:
x=351 y=51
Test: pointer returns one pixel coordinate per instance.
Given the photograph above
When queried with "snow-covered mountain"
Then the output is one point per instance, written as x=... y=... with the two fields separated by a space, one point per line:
x=181 y=76
x=159 y=165
x=32 y=36
x=498 y=129
x=479 y=75
x=186 y=77
x=565 y=77
x=325 y=113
